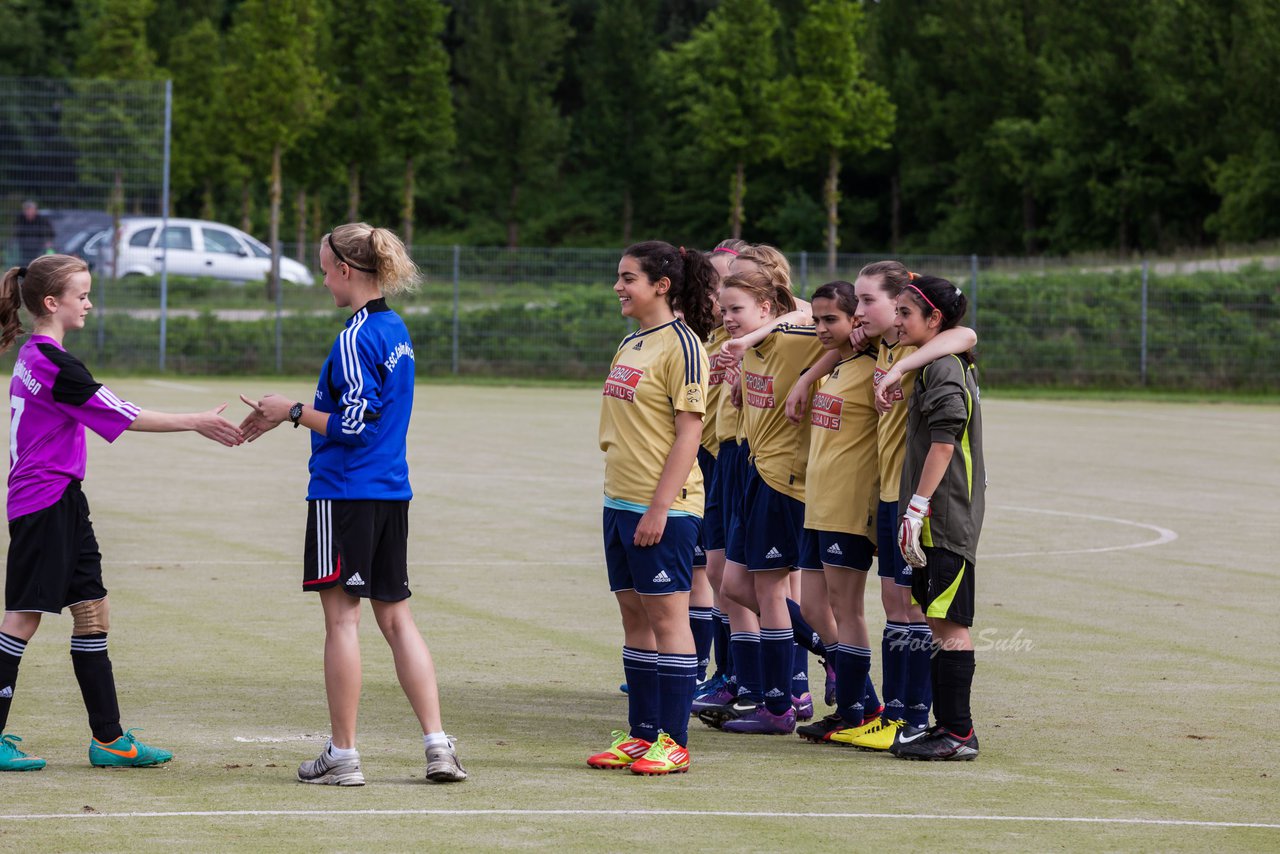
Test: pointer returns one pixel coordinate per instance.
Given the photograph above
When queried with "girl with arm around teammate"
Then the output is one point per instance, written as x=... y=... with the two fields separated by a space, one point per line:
x=650 y=430
x=942 y=499
x=54 y=562
x=358 y=497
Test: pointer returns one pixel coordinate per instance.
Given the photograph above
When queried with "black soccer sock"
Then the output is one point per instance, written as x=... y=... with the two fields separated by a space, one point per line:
x=953 y=683
x=97 y=685
x=11 y=650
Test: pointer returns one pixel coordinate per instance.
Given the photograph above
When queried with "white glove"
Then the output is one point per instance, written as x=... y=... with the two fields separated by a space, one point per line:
x=909 y=531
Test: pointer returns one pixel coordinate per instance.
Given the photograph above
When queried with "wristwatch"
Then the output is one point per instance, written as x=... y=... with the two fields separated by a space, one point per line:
x=295 y=412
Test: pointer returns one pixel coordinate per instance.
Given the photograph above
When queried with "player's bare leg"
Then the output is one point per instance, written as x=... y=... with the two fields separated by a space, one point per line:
x=342 y=676
x=414 y=666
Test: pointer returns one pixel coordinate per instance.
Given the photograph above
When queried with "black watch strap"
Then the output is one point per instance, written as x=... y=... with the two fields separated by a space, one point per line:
x=295 y=413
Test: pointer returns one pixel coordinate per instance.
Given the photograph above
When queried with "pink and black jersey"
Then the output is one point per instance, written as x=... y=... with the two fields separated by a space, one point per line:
x=52 y=398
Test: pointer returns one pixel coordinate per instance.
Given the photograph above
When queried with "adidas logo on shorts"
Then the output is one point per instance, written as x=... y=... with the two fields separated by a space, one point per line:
x=662 y=578
x=6 y=692
x=355 y=581
x=834 y=549
x=773 y=553
x=697 y=550
x=801 y=675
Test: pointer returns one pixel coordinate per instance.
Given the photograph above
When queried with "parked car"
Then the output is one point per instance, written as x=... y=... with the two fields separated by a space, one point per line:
x=196 y=247
x=72 y=224
x=87 y=244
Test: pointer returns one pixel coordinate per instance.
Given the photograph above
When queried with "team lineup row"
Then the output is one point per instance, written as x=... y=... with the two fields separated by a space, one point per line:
x=716 y=488
x=760 y=451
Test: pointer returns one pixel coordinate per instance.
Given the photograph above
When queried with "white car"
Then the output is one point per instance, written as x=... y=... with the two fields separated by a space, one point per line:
x=196 y=247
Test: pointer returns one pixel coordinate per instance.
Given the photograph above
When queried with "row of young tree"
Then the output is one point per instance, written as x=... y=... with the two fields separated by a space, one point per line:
x=991 y=126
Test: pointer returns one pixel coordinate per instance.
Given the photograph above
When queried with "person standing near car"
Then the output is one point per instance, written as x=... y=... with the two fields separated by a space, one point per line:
x=33 y=231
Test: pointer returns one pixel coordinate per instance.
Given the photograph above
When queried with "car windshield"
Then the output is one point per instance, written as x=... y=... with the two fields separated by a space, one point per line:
x=258 y=249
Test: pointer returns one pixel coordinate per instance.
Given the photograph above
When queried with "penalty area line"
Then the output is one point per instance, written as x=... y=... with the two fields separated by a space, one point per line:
x=644 y=814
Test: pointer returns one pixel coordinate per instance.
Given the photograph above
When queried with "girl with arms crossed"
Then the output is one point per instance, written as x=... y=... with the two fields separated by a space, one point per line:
x=650 y=431
x=54 y=562
x=358 y=496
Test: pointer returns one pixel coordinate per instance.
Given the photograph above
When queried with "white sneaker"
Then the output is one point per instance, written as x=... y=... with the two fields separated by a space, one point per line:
x=324 y=770
x=443 y=765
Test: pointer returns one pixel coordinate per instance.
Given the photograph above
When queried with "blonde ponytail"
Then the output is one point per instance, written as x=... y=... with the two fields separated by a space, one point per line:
x=376 y=251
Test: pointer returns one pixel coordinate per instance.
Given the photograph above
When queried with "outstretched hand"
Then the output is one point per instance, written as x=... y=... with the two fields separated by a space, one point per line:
x=258 y=421
x=213 y=426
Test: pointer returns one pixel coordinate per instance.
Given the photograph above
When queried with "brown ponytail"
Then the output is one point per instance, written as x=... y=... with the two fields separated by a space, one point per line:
x=45 y=276
x=692 y=280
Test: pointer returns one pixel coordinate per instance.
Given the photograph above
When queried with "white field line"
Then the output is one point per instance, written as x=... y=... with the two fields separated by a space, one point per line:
x=644 y=814
x=1163 y=535
x=176 y=386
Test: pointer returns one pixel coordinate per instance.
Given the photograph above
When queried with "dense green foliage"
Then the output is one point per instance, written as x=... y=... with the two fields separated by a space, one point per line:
x=988 y=126
x=1067 y=329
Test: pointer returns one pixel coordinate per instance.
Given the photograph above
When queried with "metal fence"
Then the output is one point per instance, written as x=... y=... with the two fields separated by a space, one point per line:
x=551 y=313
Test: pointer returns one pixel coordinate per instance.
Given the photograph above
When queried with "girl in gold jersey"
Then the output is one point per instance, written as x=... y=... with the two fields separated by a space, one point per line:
x=650 y=430
x=772 y=535
x=906 y=643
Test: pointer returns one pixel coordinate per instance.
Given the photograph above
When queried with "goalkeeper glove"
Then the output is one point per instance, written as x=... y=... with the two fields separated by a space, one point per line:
x=909 y=531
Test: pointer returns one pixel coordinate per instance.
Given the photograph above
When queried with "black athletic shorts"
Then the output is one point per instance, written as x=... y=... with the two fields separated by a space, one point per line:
x=360 y=545
x=53 y=557
x=944 y=588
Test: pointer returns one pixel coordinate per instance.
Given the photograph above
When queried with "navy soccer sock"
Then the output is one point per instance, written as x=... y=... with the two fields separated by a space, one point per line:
x=804 y=633
x=676 y=679
x=853 y=665
x=775 y=654
x=747 y=665
x=953 y=683
x=703 y=625
x=870 y=700
x=799 y=670
x=894 y=646
x=641 y=669
x=97 y=685
x=918 y=695
x=11 y=650
x=721 y=641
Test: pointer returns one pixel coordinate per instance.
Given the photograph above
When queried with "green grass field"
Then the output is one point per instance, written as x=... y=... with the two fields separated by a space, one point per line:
x=1125 y=697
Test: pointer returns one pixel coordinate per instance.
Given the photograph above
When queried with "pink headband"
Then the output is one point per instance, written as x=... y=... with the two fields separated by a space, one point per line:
x=725 y=249
x=922 y=296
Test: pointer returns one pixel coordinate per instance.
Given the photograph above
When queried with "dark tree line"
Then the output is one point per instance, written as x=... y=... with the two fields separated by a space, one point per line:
x=991 y=126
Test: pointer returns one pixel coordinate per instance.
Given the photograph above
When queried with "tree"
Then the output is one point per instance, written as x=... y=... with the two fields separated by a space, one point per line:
x=829 y=108
x=510 y=130
x=272 y=86
x=727 y=72
x=199 y=148
x=619 y=119
x=413 y=109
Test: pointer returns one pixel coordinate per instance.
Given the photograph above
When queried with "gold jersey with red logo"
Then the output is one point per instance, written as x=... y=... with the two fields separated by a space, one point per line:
x=779 y=449
x=893 y=424
x=656 y=373
x=843 y=479
x=715 y=388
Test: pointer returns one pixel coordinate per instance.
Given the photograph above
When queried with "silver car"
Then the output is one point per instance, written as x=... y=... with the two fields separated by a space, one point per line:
x=196 y=247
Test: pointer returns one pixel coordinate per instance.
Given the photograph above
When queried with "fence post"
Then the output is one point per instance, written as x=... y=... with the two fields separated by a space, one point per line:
x=804 y=272
x=164 y=226
x=1142 y=352
x=973 y=279
x=457 y=255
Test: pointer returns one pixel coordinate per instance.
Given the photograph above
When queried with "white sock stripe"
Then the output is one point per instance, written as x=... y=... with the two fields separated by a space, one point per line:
x=684 y=662
x=94 y=645
x=776 y=634
x=700 y=615
x=744 y=637
x=13 y=646
x=643 y=656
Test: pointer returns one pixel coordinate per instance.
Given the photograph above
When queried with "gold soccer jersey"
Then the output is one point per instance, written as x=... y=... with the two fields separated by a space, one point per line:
x=844 y=471
x=656 y=373
x=893 y=424
x=779 y=448
x=715 y=389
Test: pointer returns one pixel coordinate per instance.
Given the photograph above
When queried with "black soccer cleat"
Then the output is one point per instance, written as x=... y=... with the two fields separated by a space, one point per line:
x=937 y=744
x=820 y=732
x=716 y=716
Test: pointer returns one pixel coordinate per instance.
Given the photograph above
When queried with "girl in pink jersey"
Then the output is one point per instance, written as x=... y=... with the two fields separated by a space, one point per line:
x=54 y=561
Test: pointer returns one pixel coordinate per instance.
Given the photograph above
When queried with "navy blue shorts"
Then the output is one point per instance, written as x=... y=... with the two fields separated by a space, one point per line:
x=891 y=564
x=712 y=524
x=731 y=477
x=810 y=555
x=848 y=551
x=652 y=570
x=774 y=526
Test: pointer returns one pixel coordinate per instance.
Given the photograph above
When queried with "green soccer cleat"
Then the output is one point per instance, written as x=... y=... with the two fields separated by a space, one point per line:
x=13 y=759
x=125 y=752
